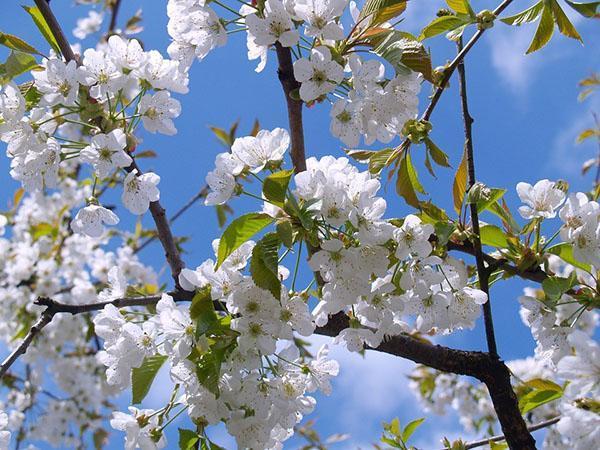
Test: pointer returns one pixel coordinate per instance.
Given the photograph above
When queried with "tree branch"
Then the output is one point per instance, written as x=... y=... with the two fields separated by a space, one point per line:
x=501 y=437
x=482 y=273
x=63 y=43
x=294 y=106
x=116 y=4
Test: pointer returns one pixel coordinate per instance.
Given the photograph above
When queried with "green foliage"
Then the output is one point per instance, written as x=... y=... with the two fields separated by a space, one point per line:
x=554 y=287
x=377 y=159
x=238 y=232
x=444 y=24
x=285 y=233
x=43 y=26
x=187 y=439
x=565 y=252
x=493 y=236
x=404 y=52
x=397 y=437
x=143 y=376
x=202 y=311
x=380 y=11
x=263 y=265
x=18 y=44
x=16 y=64
x=585 y=9
x=275 y=186
x=407 y=183
x=461 y=7
x=459 y=186
x=540 y=392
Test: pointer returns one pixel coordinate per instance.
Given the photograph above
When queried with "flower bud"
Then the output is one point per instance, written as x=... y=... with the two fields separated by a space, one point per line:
x=485 y=19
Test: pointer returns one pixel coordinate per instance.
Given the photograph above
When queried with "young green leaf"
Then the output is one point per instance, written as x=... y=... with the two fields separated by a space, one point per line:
x=565 y=252
x=461 y=7
x=275 y=186
x=285 y=232
x=460 y=183
x=382 y=10
x=18 y=63
x=526 y=16
x=404 y=52
x=143 y=376
x=585 y=9
x=440 y=158
x=544 y=31
x=202 y=311
x=16 y=43
x=442 y=25
x=493 y=236
x=264 y=263
x=43 y=26
x=562 y=21
x=537 y=397
x=187 y=439
x=407 y=183
x=555 y=287
x=238 y=232
x=411 y=428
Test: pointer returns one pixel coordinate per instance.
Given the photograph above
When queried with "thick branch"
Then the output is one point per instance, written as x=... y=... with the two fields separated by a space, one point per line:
x=482 y=272
x=63 y=43
x=294 y=106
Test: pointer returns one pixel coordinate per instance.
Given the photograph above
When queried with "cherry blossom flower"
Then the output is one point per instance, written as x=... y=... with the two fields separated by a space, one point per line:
x=139 y=191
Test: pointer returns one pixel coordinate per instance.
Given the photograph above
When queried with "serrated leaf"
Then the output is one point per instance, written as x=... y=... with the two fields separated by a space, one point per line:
x=202 y=311
x=555 y=287
x=442 y=25
x=275 y=186
x=440 y=158
x=536 y=398
x=585 y=9
x=460 y=6
x=381 y=11
x=405 y=184
x=403 y=52
x=264 y=264
x=16 y=43
x=459 y=185
x=18 y=63
x=528 y=15
x=411 y=428
x=208 y=370
x=143 y=376
x=187 y=439
x=544 y=31
x=493 y=236
x=562 y=21
x=494 y=195
x=240 y=231
x=285 y=232
x=42 y=25
x=565 y=252
x=543 y=385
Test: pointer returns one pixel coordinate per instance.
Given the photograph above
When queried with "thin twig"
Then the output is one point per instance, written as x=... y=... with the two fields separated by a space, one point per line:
x=113 y=16
x=482 y=272
x=501 y=437
x=201 y=194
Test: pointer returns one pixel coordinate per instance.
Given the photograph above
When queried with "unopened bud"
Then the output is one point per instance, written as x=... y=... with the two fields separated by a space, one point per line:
x=416 y=130
x=485 y=19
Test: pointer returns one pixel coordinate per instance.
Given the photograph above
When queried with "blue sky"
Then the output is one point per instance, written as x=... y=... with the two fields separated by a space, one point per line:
x=526 y=119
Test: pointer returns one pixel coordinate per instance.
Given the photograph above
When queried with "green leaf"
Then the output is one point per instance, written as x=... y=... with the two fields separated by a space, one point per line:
x=264 y=263
x=208 y=370
x=382 y=10
x=564 y=24
x=202 y=310
x=536 y=398
x=544 y=31
x=565 y=252
x=381 y=159
x=143 y=376
x=494 y=445
x=529 y=15
x=42 y=25
x=16 y=43
x=238 y=232
x=411 y=428
x=585 y=9
x=187 y=439
x=407 y=184
x=222 y=136
x=459 y=186
x=43 y=229
x=275 y=186
x=442 y=25
x=285 y=232
x=18 y=63
x=555 y=287
x=543 y=385
x=440 y=158
x=404 y=52
x=461 y=7
x=495 y=195
x=493 y=236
